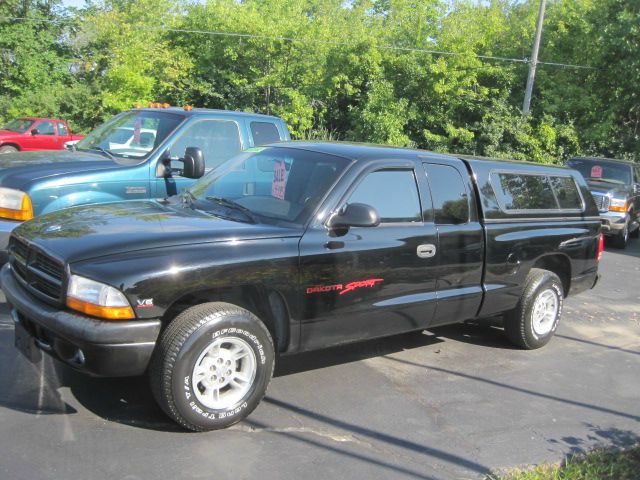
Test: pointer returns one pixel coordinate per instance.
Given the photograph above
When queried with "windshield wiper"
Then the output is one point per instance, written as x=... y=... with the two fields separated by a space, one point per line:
x=234 y=206
x=103 y=150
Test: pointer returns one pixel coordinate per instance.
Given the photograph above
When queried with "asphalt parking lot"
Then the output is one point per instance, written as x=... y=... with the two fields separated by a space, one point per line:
x=451 y=403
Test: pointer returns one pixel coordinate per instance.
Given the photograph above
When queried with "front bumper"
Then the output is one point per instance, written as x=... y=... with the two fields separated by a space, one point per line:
x=96 y=347
x=613 y=222
x=6 y=227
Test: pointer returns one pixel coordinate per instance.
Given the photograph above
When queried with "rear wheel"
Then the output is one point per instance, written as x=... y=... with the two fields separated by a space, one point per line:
x=8 y=149
x=212 y=366
x=535 y=319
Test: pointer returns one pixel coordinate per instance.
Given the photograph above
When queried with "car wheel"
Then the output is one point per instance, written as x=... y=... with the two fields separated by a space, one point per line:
x=8 y=149
x=535 y=319
x=636 y=232
x=621 y=240
x=212 y=366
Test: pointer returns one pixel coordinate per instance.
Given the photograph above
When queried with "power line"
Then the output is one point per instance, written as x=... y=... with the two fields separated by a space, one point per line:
x=324 y=42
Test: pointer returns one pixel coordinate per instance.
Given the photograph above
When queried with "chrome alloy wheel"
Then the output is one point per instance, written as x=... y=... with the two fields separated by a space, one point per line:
x=224 y=372
x=545 y=312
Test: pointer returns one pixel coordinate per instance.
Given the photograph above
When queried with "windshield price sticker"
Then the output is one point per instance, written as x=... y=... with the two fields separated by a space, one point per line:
x=596 y=171
x=279 y=180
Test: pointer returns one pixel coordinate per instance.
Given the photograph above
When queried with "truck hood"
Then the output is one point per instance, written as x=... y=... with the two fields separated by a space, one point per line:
x=6 y=133
x=82 y=233
x=18 y=169
x=605 y=188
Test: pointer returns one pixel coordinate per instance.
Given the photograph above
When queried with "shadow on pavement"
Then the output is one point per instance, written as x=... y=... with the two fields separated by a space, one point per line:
x=632 y=249
x=598 y=437
x=481 y=334
x=34 y=388
x=535 y=393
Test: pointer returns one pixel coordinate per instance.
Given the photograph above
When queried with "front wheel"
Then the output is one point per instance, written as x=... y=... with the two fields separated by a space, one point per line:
x=535 y=319
x=8 y=149
x=621 y=240
x=212 y=366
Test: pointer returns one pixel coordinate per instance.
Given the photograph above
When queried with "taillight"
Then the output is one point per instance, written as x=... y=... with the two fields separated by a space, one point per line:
x=600 y=246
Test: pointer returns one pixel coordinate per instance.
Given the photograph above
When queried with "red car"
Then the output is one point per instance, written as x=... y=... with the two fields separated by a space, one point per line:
x=27 y=133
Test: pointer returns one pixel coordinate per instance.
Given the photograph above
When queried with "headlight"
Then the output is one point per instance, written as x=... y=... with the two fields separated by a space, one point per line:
x=97 y=299
x=15 y=204
x=618 y=205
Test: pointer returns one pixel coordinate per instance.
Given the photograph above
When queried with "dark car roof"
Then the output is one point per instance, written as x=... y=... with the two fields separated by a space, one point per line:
x=361 y=151
x=211 y=111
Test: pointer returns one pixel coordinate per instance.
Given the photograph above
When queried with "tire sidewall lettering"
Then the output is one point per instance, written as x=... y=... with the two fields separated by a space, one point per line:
x=186 y=384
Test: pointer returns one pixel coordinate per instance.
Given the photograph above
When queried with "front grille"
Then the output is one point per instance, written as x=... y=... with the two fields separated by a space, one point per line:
x=602 y=202
x=40 y=274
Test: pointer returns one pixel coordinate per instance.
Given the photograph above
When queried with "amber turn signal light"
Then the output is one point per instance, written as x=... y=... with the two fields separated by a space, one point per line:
x=616 y=208
x=110 y=313
x=25 y=212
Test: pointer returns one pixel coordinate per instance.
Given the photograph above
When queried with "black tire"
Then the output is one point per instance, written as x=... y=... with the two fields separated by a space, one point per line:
x=636 y=232
x=8 y=149
x=194 y=334
x=519 y=324
x=622 y=239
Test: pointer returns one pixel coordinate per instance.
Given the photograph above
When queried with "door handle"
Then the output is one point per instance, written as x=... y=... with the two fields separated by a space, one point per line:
x=426 y=250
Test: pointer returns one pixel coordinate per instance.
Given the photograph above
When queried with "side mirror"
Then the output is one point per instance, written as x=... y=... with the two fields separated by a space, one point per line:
x=35 y=132
x=355 y=215
x=193 y=163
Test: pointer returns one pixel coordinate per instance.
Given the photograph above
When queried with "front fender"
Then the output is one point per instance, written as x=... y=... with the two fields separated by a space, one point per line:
x=154 y=279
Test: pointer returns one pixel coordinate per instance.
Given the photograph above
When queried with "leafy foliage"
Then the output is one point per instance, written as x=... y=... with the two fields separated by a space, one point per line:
x=364 y=70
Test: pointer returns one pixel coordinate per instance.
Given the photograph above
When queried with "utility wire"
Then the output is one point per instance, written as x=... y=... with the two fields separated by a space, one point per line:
x=299 y=40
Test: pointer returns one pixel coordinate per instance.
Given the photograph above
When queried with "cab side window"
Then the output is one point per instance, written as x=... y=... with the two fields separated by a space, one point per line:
x=219 y=140
x=449 y=195
x=393 y=193
x=45 y=128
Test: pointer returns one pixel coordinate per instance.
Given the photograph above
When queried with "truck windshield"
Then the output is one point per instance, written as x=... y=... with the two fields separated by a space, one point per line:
x=273 y=184
x=133 y=134
x=19 y=125
x=602 y=171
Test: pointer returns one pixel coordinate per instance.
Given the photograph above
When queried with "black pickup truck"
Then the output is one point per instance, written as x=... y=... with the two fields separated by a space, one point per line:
x=294 y=247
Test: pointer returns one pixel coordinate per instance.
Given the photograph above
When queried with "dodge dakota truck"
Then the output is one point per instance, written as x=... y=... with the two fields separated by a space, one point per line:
x=138 y=154
x=28 y=133
x=293 y=247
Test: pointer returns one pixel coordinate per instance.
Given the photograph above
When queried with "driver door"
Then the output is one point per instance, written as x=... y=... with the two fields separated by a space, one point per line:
x=371 y=281
x=219 y=140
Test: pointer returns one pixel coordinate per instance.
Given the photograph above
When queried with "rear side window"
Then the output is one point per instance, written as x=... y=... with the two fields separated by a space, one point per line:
x=62 y=129
x=518 y=192
x=566 y=192
x=393 y=193
x=264 y=132
x=449 y=195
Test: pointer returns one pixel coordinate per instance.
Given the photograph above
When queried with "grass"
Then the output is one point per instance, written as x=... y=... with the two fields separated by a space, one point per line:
x=596 y=465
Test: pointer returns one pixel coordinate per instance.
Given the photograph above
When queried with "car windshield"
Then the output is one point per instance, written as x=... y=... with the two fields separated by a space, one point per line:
x=133 y=134
x=273 y=185
x=19 y=125
x=602 y=171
